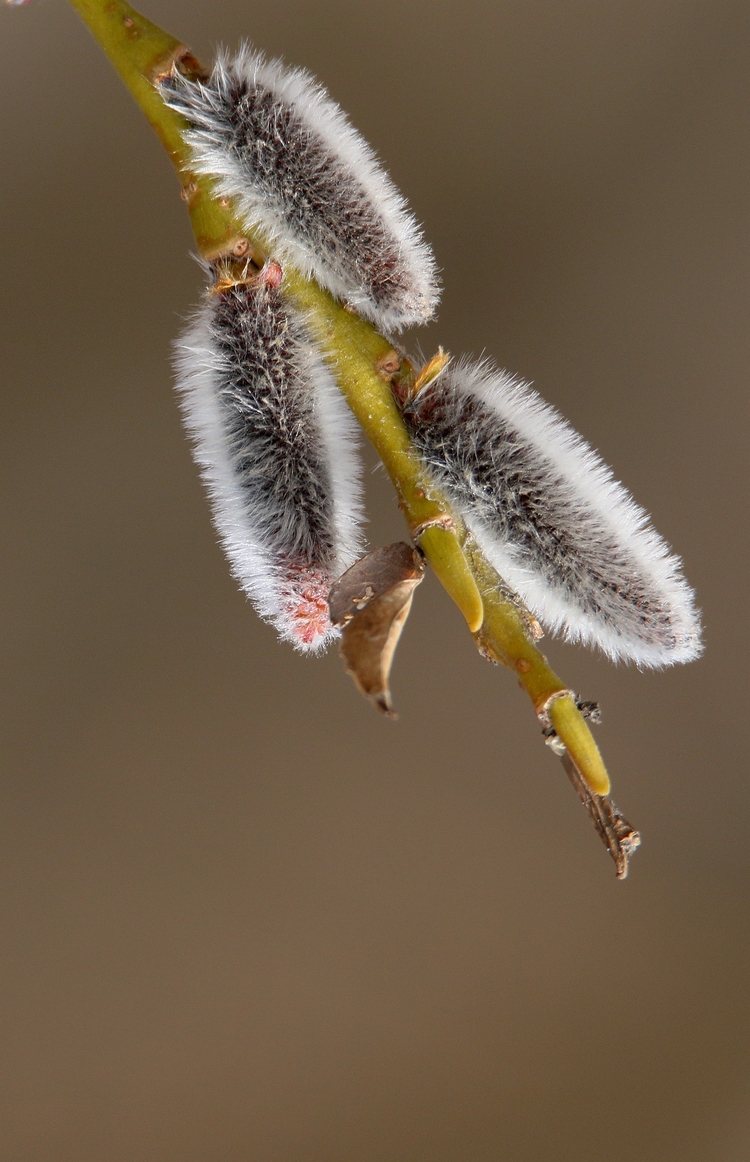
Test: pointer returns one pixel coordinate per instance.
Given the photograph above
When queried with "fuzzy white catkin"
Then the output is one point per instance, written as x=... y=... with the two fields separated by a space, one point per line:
x=548 y=514
x=299 y=171
x=276 y=445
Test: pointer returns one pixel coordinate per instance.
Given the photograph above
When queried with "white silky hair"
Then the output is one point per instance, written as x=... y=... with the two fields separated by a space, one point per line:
x=551 y=518
x=303 y=176
x=279 y=561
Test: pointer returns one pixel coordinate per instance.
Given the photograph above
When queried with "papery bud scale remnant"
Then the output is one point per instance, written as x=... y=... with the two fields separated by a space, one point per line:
x=298 y=170
x=276 y=443
x=548 y=514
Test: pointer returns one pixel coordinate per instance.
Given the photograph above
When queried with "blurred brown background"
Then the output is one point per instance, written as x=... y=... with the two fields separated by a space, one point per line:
x=243 y=919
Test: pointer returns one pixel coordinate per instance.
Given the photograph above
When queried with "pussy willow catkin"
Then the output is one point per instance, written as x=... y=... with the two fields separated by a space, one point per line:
x=275 y=442
x=300 y=172
x=548 y=514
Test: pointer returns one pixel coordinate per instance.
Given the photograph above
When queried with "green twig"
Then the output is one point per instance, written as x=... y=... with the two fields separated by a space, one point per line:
x=365 y=364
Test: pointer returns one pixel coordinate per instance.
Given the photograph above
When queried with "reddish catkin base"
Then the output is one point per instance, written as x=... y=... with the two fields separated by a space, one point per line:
x=306 y=607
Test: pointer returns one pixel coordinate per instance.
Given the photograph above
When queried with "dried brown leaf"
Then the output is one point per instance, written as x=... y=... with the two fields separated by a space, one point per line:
x=371 y=602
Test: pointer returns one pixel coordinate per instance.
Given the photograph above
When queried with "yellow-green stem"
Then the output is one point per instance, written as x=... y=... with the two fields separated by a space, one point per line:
x=141 y=52
x=569 y=723
x=357 y=350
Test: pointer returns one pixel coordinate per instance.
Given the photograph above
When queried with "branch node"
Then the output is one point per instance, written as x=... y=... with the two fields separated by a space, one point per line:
x=387 y=365
x=543 y=711
x=443 y=520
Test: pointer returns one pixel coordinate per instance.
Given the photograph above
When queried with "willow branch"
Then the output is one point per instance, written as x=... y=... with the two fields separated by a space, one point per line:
x=365 y=363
